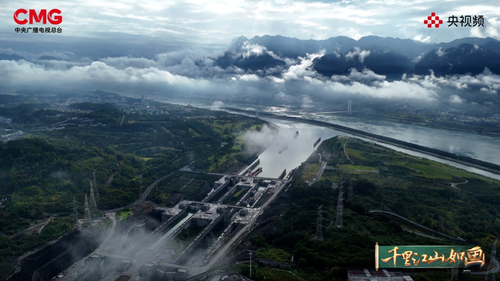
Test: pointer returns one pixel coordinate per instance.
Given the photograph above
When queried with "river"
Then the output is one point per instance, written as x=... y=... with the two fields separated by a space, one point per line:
x=301 y=147
x=478 y=146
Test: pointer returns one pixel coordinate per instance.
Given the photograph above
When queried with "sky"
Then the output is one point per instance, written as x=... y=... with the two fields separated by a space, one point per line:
x=169 y=47
x=176 y=24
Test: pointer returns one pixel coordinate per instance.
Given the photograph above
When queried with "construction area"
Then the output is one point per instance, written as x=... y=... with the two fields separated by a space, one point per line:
x=178 y=242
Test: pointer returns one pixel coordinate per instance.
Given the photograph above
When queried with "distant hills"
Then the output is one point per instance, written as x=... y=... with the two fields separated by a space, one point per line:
x=10 y=57
x=392 y=57
x=462 y=59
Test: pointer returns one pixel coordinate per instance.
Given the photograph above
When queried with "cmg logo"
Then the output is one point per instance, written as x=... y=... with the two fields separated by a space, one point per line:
x=53 y=16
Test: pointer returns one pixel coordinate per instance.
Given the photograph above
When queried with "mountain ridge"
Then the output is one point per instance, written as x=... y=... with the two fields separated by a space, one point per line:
x=388 y=56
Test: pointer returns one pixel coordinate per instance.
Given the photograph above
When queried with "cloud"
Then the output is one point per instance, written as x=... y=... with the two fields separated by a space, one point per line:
x=217 y=105
x=355 y=34
x=456 y=99
x=440 y=52
x=307 y=102
x=191 y=75
x=168 y=24
x=253 y=50
x=384 y=90
x=125 y=62
x=257 y=141
x=302 y=69
x=486 y=81
x=361 y=54
x=491 y=29
x=249 y=77
x=365 y=75
x=422 y=39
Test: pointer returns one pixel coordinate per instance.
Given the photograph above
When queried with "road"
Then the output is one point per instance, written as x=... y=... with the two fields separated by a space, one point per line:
x=45 y=223
x=320 y=171
x=318 y=174
x=421 y=234
x=454 y=184
x=111 y=231
x=345 y=152
x=419 y=225
x=143 y=196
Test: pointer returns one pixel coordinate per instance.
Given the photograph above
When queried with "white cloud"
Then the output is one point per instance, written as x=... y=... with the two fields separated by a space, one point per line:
x=303 y=68
x=422 y=39
x=353 y=33
x=187 y=73
x=276 y=79
x=385 y=90
x=491 y=29
x=249 y=77
x=253 y=50
x=440 y=52
x=366 y=75
x=307 y=102
x=216 y=22
x=217 y=105
x=361 y=54
x=456 y=99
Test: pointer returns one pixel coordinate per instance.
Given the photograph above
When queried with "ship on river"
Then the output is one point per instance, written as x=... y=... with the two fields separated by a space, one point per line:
x=256 y=172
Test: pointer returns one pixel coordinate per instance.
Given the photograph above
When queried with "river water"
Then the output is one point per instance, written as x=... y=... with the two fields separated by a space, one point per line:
x=482 y=147
x=301 y=147
x=485 y=148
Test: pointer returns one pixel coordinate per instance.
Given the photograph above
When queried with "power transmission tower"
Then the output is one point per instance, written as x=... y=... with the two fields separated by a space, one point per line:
x=75 y=213
x=340 y=208
x=319 y=225
x=93 y=205
x=349 y=192
x=94 y=182
x=490 y=276
x=87 y=210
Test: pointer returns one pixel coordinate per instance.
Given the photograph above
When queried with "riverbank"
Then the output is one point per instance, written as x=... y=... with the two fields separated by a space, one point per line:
x=464 y=160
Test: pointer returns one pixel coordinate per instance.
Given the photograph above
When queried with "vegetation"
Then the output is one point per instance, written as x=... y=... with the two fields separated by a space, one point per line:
x=18 y=245
x=382 y=179
x=194 y=186
x=126 y=144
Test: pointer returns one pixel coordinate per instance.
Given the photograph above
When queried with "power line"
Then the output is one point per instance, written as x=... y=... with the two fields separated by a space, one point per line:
x=340 y=208
x=319 y=225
